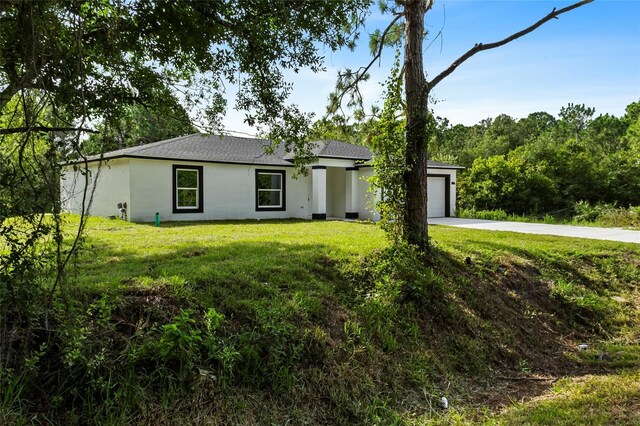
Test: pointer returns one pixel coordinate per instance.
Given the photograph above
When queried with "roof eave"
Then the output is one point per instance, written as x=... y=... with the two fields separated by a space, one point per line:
x=146 y=157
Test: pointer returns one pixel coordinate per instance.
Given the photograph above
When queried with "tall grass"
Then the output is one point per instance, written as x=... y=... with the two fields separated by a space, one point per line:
x=608 y=215
x=501 y=215
x=583 y=213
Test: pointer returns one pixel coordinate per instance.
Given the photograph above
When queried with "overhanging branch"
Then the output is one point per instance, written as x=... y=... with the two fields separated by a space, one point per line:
x=15 y=130
x=480 y=46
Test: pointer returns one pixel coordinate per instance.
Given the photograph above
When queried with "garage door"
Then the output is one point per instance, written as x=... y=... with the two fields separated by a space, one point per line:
x=436 y=196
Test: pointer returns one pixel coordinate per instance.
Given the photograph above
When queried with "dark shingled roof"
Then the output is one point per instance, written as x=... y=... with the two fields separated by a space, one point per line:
x=209 y=148
x=233 y=149
x=337 y=149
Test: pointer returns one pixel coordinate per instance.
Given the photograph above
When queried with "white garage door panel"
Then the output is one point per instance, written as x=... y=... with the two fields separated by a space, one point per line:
x=435 y=196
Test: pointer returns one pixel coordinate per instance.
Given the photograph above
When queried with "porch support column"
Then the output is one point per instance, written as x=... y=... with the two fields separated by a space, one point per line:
x=319 y=195
x=351 y=191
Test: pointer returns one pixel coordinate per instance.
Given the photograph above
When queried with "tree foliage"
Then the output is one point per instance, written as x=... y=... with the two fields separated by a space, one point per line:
x=139 y=125
x=31 y=253
x=554 y=168
x=388 y=143
x=337 y=128
x=505 y=183
x=95 y=57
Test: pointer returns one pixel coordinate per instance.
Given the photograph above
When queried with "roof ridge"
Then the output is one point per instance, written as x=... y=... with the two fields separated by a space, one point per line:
x=327 y=142
x=234 y=136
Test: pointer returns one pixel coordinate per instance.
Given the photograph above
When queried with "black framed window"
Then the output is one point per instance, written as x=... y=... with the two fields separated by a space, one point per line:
x=187 y=189
x=270 y=190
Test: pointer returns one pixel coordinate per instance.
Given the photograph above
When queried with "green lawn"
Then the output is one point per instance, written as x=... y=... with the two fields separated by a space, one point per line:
x=252 y=251
x=275 y=322
x=117 y=252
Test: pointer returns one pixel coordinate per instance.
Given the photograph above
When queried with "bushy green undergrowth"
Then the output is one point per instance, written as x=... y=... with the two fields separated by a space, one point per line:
x=500 y=214
x=607 y=214
x=315 y=322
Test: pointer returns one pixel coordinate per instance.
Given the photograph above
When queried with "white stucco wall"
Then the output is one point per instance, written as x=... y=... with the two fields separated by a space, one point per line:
x=111 y=182
x=229 y=192
x=334 y=162
x=365 y=197
x=336 y=192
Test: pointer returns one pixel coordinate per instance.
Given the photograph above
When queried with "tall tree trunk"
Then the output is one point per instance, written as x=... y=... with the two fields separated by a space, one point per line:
x=415 y=179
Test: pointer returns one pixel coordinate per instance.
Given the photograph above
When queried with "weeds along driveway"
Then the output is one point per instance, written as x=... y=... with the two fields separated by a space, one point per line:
x=610 y=234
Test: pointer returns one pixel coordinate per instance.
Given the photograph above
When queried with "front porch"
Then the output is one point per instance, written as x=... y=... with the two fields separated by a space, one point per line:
x=340 y=191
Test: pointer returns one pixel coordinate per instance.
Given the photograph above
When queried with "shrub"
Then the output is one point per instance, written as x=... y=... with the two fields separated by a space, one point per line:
x=510 y=184
x=607 y=214
x=180 y=342
x=590 y=213
x=622 y=217
x=497 y=214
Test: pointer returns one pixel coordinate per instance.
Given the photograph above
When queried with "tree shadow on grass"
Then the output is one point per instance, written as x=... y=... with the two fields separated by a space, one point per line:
x=512 y=295
x=563 y=265
x=513 y=302
x=509 y=301
x=228 y=276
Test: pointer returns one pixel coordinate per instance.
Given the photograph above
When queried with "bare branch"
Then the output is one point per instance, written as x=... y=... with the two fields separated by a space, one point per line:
x=438 y=36
x=16 y=83
x=480 y=46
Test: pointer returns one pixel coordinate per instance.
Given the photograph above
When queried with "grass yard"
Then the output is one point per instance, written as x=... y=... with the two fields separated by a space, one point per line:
x=273 y=322
x=257 y=252
x=608 y=399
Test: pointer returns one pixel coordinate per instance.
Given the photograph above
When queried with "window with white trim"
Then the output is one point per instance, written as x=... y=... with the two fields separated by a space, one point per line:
x=187 y=189
x=270 y=190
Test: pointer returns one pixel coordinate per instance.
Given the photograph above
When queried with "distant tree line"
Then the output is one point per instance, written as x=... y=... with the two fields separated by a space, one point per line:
x=542 y=164
x=138 y=125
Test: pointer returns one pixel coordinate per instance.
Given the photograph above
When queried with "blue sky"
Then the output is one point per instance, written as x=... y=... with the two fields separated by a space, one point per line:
x=590 y=55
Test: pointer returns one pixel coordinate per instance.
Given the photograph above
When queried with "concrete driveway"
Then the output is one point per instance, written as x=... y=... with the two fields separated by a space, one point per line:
x=610 y=234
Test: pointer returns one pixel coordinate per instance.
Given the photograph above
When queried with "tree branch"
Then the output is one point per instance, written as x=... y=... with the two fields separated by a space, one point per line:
x=362 y=71
x=480 y=46
x=45 y=129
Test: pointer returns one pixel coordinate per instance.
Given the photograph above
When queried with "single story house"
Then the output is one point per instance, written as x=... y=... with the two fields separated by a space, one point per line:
x=203 y=177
